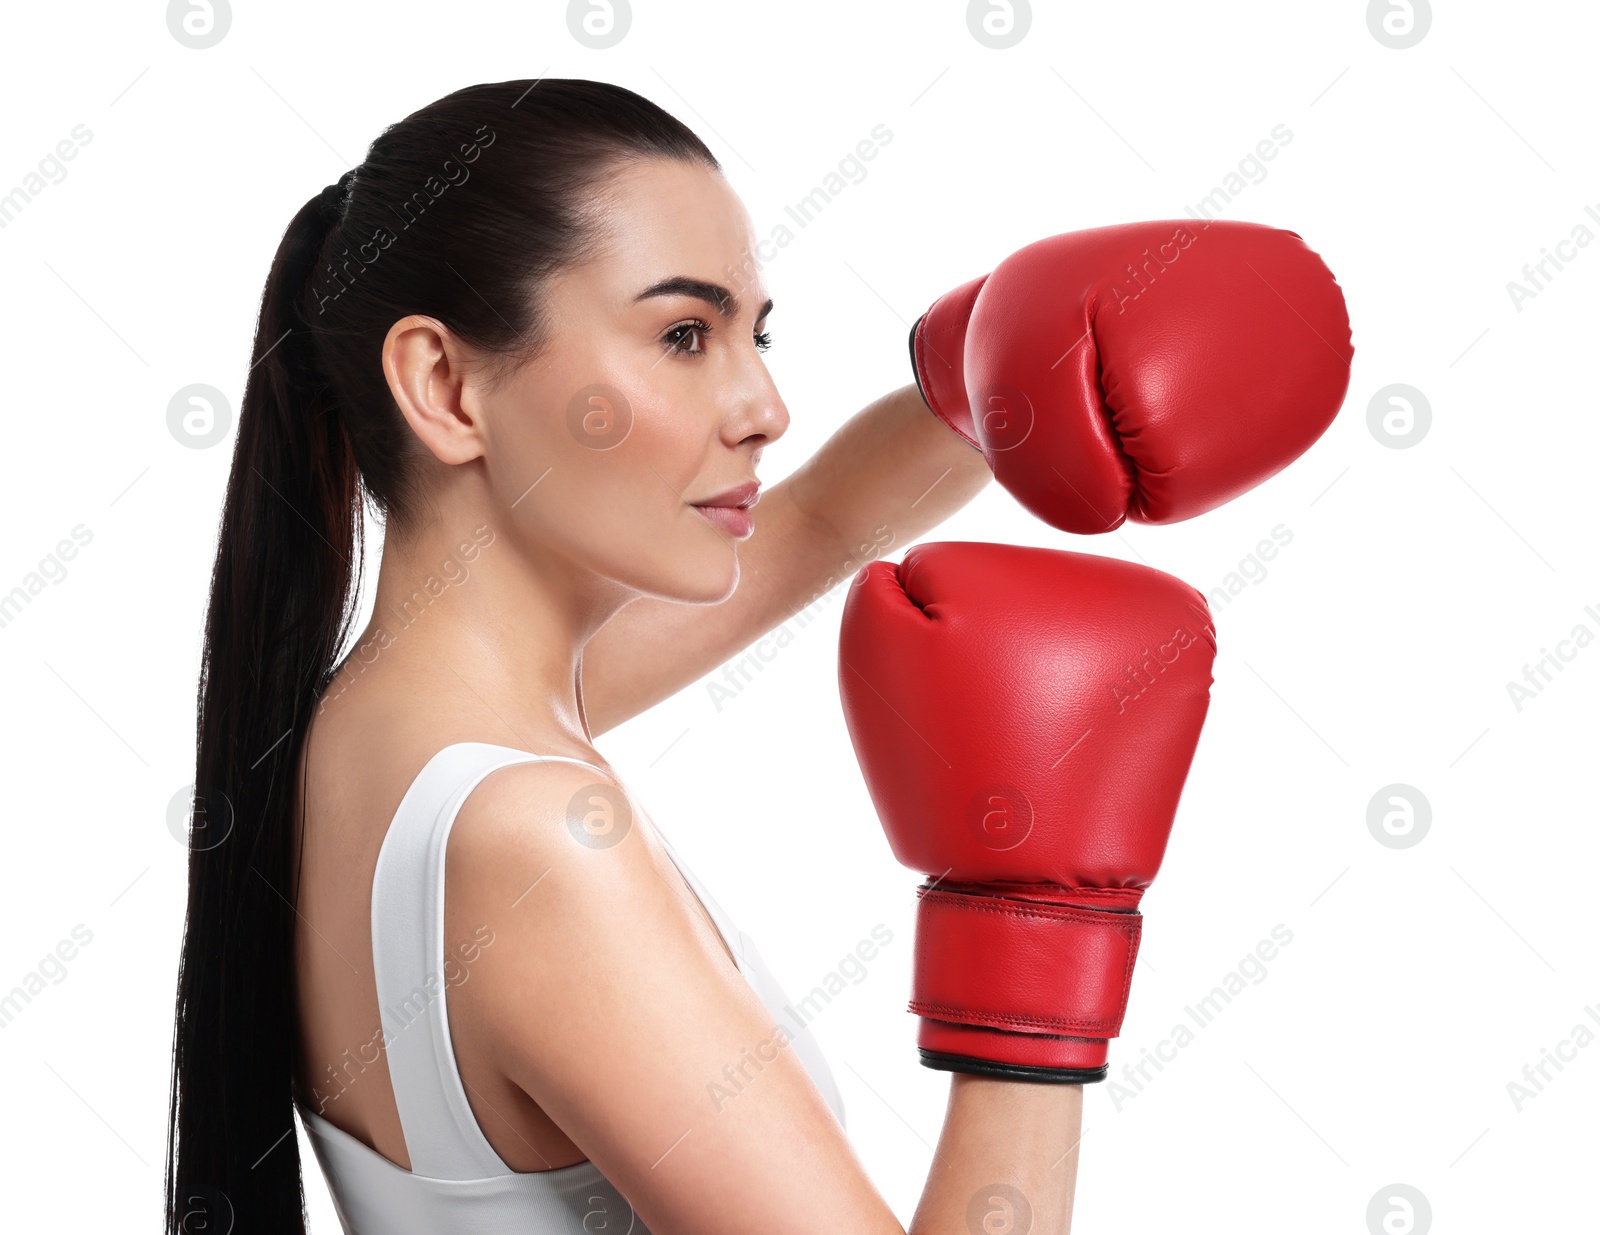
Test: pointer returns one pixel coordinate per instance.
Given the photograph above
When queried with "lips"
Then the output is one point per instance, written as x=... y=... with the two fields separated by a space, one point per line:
x=729 y=511
x=734 y=521
x=745 y=496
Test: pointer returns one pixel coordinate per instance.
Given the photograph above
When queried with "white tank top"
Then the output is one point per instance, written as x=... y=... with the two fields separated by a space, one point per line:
x=457 y=1182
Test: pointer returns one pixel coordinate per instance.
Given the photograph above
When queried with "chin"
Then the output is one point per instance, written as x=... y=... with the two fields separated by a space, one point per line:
x=709 y=581
x=692 y=579
x=713 y=589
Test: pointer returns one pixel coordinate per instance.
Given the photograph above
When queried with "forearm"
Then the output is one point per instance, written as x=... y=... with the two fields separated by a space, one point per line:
x=1006 y=1145
x=889 y=474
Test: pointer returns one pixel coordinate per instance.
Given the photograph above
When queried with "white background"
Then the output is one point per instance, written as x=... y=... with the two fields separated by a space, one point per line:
x=1375 y=650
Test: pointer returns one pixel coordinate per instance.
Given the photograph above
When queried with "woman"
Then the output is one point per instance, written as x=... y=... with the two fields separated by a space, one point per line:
x=516 y=330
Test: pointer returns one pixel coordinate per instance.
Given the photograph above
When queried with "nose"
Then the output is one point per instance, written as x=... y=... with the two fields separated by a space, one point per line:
x=760 y=417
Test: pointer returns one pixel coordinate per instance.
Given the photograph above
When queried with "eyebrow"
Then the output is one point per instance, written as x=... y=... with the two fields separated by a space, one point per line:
x=714 y=294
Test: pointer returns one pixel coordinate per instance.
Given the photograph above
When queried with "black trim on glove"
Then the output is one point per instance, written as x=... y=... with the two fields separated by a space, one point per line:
x=1012 y=1071
x=911 y=346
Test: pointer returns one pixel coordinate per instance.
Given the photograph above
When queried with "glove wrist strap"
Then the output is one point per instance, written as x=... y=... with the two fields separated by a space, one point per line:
x=1022 y=966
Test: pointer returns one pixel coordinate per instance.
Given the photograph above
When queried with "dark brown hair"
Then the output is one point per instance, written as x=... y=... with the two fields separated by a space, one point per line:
x=460 y=211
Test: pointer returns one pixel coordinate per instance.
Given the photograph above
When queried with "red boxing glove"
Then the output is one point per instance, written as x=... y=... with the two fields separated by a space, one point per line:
x=1024 y=719
x=1148 y=371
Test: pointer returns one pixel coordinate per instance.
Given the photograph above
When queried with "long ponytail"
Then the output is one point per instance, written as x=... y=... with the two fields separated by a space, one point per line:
x=461 y=211
x=288 y=558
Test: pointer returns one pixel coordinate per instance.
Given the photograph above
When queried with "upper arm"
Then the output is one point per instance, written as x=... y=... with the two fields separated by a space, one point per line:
x=887 y=476
x=612 y=1004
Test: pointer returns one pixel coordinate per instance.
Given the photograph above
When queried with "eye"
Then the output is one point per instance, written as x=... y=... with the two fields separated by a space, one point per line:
x=677 y=338
x=763 y=340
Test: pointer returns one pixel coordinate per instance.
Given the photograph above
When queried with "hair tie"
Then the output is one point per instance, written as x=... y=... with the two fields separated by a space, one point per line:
x=333 y=196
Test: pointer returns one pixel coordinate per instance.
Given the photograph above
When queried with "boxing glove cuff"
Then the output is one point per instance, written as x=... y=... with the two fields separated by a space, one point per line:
x=1040 y=972
x=938 y=342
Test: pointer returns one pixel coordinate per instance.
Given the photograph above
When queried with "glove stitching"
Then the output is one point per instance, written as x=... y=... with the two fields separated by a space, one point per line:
x=1006 y=1020
x=1128 y=927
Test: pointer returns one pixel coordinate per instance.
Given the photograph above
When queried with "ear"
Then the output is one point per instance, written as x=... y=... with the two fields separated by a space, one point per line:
x=425 y=365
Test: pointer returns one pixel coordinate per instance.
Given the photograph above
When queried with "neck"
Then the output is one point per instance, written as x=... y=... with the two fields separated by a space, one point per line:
x=479 y=614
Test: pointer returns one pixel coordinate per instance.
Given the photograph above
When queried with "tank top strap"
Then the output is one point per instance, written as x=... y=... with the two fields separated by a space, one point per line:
x=443 y=1139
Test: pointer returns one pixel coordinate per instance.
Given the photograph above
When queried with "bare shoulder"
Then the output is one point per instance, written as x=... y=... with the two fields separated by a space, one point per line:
x=552 y=853
x=547 y=812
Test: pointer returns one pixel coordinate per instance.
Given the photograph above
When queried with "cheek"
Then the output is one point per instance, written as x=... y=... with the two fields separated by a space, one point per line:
x=662 y=454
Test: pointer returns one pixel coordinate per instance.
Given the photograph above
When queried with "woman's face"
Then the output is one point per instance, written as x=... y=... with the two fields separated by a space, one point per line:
x=652 y=399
